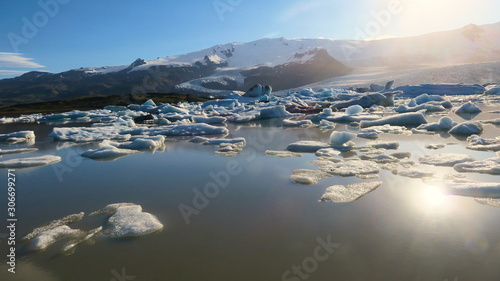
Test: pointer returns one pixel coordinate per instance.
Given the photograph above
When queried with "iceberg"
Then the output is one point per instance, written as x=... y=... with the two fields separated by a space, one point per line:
x=444 y=124
x=18 y=136
x=384 y=144
x=30 y=161
x=209 y=120
x=107 y=152
x=327 y=152
x=350 y=193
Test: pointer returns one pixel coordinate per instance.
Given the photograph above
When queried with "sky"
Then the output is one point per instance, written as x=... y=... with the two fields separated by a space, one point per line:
x=59 y=35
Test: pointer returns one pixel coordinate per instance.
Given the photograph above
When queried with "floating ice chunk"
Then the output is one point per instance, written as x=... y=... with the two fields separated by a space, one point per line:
x=444 y=124
x=401 y=155
x=340 y=138
x=199 y=139
x=350 y=193
x=488 y=201
x=487 y=166
x=229 y=149
x=348 y=168
x=145 y=142
x=468 y=188
x=86 y=236
x=307 y=146
x=149 y=102
x=467 y=128
x=209 y=120
x=53 y=224
x=369 y=133
x=226 y=103
x=237 y=141
x=296 y=123
x=379 y=158
x=368 y=177
x=492 y=121
x=283 y=154
x=427 y=107
x=343 y=118
x=327 y=152
x=48 y=237
x=273 y=112
x=18 y=136
x=183 y=130
x=391 y=129
x=468 y=107
x=130 y=221
x=384 y=144
x=416 y=173
x=82 y=134
x=354 y=110
x=424 y=98
x=30 y=161
x=110 y=209
x=305 y=176
x=435 y=146
x=326 y=125
x=493 y=90
x=405 y=119
x=445 y=159
x=18 y=150
x=478 y=143
x=107 y=153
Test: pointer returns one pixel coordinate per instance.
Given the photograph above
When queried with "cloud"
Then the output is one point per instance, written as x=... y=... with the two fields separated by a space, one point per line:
x=16 y=60
x=11 y=72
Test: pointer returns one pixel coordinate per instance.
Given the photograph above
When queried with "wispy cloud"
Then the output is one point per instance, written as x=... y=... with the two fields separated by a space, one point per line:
x=11 y=72
x=296 y=9
x=16 y=60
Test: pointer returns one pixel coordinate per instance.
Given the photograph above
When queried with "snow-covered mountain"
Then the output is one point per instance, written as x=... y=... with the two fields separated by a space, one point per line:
x=280 y=62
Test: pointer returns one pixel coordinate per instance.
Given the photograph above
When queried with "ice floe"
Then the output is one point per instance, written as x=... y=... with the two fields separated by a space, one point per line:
x=384 y=144
x=327 y=152
x=340 y=138
x=283 y=154
x=379 y=158
x=435 y=146
x=483 y=144
x=404 y=119
x=444 y=124
x=21 y=136
x=297 y=123
x=445 y=159
x=487 y=166
x=475 y=189
x=48 y=237
x=348 y=168
x=18 y=150
x=415 y=173
x=131 y=221
x=488 y=202
x=307 y=146
x=467 y=108
x=350 y=193
x=30 y=161
x=467 y=128
x=108 y=152
x=85 y=237
x=53 y=224
x=305 y=176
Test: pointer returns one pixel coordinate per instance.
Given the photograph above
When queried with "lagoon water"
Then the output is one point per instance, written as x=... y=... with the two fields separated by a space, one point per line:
x=260 y=225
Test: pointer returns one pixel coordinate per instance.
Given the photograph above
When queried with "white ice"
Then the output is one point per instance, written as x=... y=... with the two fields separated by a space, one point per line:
x=305 y=176
x=416 y=173
x=283 y=154
x=468 y=107
x=107 y=152
x=404 y=119
x=327 y=152
x=53 y=224
x=17 y=150
x=475 y=189
x=487 y=166
x=340 y=138
x=297 y=123
x=307 y=146
x=467 y=128
x=131 y=221
x=444 y=124
x=30 y=161
x=445 y=159
x=48 y=237
x=348 y=168
x=18 y=136
x=350 y=193
x=384 y=144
